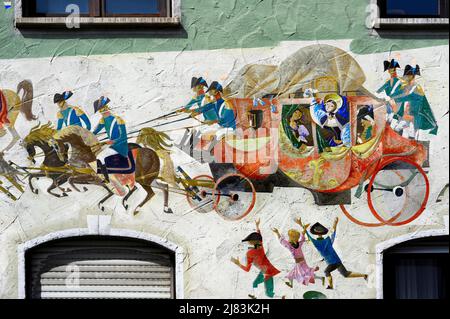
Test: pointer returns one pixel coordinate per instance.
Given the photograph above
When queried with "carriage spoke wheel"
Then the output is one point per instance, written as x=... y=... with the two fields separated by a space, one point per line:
x=398 y=192
x=201 y=198
x=235 y=197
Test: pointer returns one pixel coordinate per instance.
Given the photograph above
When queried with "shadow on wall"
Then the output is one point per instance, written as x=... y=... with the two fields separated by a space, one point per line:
x=105 y=33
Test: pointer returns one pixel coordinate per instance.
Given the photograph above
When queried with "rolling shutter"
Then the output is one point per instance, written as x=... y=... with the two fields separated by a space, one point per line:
x=100 y=268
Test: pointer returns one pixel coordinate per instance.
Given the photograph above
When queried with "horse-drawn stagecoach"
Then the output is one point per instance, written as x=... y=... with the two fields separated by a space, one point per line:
x=280 y=140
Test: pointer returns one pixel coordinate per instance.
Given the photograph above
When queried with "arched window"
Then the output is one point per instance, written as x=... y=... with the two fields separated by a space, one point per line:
x=99 y=267
x=417 y=269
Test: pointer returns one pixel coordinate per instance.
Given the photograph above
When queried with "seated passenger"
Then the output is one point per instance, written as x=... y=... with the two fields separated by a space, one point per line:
x=366 y=124
x=333 y=114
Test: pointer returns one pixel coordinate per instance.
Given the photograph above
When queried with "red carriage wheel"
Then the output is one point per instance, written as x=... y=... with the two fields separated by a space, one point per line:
x=398 y=192
x=201 y=197
x=235 y=197
x=365 y=224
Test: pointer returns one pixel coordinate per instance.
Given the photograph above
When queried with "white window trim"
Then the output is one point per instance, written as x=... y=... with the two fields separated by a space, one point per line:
x=382 y=247
x=173 y=20
x=179 y=252
x=380 y=23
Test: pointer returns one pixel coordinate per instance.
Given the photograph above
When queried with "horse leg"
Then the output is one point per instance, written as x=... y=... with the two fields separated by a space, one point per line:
x=110 y=194
x=72 y=184
x=165 y=189
x=52 y=187
x=150 y=194
x=30 y=182
x=126 y=198
x=61 y=180
x=84 y=180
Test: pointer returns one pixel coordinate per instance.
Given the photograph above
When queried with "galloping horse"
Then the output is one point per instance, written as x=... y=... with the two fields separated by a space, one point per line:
x=11 y=105
x=68 y=155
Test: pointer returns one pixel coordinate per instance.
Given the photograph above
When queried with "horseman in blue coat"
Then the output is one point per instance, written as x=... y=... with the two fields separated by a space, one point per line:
x=116 y=132
x=69 y=115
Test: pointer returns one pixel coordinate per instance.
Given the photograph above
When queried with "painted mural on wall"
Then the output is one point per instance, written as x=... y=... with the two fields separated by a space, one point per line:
x=306 y=123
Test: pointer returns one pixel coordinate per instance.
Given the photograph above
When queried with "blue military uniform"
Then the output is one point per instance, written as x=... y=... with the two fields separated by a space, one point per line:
x=71 y=116
x=116 y=131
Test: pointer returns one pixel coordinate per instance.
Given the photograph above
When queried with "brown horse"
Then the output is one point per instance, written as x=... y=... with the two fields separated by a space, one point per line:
x=83 y=149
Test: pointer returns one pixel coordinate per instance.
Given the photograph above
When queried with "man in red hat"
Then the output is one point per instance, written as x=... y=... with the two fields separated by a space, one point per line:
x=256 y=255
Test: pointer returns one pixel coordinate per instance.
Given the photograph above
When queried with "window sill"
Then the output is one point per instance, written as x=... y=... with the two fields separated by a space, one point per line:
x=412 y=23
x=61 y=22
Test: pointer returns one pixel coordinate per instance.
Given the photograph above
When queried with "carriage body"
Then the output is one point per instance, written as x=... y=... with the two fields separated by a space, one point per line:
x=262 y=147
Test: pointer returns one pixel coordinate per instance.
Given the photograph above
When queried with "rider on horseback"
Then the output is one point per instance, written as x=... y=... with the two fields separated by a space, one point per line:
x=115 y=130
x=70 y=115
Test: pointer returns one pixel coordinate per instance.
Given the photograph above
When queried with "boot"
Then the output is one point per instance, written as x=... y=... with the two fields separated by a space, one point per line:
x=103 y=170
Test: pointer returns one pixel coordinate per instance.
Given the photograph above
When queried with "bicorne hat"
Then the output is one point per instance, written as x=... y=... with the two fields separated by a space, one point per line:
x=62 y=97
x=319 y=230
x=215 y=86
x=409 y=70
x=253 y=237
x=198 y=81
x=101 y=103
x=393 y=64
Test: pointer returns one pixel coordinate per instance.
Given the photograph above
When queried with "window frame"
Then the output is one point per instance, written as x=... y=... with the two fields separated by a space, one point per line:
x=443 y=5
x=384 y=21
x=170 y=16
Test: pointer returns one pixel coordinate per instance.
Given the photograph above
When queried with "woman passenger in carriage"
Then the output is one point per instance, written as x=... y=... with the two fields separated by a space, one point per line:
x=300 y=132
x=366 y=124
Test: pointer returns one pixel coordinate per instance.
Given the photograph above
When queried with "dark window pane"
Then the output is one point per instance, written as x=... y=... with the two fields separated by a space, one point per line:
x=131 y=7
x=59 y=6
x=413 y=7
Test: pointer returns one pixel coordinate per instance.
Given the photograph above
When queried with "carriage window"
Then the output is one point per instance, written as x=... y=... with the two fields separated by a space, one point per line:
x=366 y=129
x=297 y=124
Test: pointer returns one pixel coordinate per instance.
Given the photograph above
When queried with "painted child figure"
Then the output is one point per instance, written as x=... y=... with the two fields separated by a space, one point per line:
x=256 y=256
x=325 y=247
x=301 y=272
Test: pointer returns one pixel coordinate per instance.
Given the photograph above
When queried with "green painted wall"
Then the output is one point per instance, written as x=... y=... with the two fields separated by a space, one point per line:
x=211 y=24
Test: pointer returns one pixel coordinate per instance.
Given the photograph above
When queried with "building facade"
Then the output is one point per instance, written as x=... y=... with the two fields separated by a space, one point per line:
x=378 y=162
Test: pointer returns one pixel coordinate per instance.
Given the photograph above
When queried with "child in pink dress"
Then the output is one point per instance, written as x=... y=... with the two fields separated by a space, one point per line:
x=301 y=272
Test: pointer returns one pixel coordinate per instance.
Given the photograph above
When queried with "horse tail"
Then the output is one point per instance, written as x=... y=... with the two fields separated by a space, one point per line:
x=168 y=167
x=27 y=99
